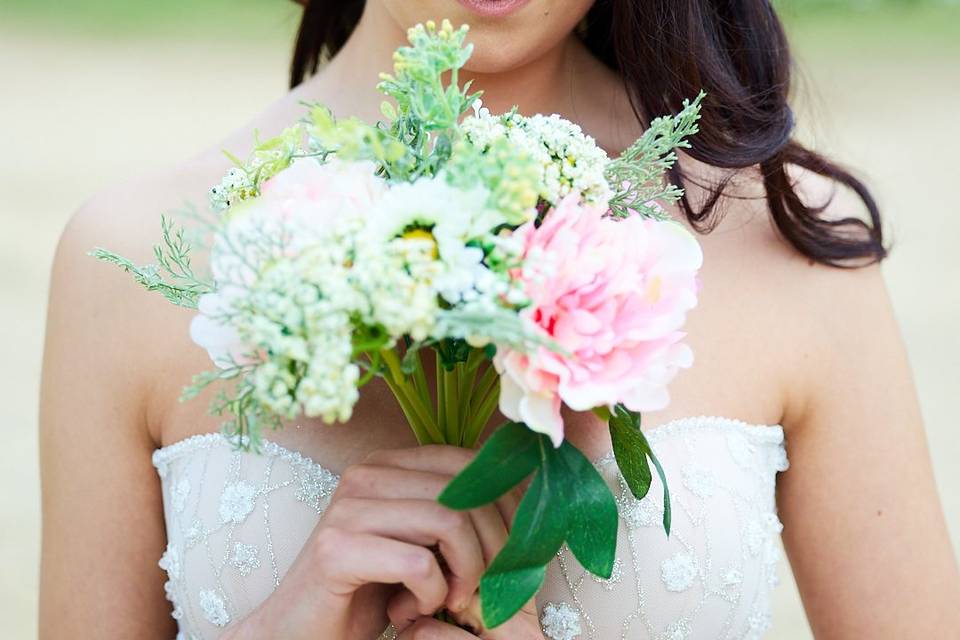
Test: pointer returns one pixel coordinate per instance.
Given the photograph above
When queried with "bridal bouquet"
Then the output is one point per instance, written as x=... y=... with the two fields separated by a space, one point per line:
x=538 y=272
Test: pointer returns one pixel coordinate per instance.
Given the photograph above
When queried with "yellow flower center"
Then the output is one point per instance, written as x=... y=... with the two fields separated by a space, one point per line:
x=423 y=234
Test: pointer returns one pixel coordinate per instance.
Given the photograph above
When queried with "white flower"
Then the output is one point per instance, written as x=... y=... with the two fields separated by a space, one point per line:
x=570 y=161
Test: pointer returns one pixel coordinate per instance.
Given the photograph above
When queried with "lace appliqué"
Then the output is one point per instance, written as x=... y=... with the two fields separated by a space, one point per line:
x=179 y=494
x=236 y=502
x=214 y=609
x=560 y=621
x=678 y=572
x=170 y=562
x=246 y=558
x=316 y=486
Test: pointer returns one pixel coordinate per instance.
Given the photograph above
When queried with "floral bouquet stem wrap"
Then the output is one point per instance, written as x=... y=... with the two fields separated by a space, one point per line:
x=538 y=271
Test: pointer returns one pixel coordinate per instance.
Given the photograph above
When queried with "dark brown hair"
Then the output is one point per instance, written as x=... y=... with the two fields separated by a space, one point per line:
x=668 y=50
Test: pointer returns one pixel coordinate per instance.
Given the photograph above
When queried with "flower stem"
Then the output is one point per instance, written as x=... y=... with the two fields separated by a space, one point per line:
x=408 y=397
x=481 y=415
x=451 y=389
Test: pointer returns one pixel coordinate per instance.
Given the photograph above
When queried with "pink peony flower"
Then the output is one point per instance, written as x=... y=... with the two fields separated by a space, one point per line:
x=613 y=294
x=310 y=194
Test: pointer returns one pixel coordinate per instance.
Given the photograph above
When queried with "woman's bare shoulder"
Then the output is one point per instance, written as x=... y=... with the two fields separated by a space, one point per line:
x=781 y=310
x=136 y=335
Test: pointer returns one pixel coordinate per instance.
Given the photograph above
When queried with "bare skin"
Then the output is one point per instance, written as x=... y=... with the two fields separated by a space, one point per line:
x=778 y=340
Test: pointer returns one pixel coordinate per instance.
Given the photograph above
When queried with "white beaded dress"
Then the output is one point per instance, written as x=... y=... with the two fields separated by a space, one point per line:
x=236 y=520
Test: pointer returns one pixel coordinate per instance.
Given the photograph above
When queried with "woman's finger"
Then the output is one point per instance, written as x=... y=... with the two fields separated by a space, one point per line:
x=402 y=609
x=347 y=560
x=444 y=460
x=425 y=523
x=436 y=458
x=377 y=481
x=431 y=629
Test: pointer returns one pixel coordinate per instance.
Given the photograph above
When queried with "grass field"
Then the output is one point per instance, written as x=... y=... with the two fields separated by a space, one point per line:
x=95 y=91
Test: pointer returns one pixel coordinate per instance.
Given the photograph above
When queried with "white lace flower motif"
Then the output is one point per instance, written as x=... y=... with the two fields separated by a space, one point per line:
x=699 y=480
x=316 y=486
x=560 y=621
x=214 y=609
x=679 y=630
x=194 y=533
x=731 y=577
x=678 y=571
x=741 y=449
x=640 y=513
x=245 y=557
x=179 y=493
x=170 y=562
x=236 y=502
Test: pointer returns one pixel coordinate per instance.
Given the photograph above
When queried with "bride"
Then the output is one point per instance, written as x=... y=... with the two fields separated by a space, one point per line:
x=155 y=527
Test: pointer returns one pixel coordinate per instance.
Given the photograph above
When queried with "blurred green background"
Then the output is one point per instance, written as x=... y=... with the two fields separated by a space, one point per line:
x=95 y=91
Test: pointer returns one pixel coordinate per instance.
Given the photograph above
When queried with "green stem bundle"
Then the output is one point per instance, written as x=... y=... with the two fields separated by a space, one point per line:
x=466 y=394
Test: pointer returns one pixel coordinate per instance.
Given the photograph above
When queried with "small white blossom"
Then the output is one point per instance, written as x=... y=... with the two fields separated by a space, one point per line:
x=570 y=161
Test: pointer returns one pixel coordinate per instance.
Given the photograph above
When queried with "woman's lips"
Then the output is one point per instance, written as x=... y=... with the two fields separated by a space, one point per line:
x=493 y=8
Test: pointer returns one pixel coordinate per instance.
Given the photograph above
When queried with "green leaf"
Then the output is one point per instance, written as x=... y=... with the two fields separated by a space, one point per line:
x=507 y=457
x=630 y=448
x=632 y=451
x=593 y=516
x=503 y=594
x=538 y=530
x=667 y=512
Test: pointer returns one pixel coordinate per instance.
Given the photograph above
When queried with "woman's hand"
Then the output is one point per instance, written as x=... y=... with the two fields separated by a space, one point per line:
x=381 y=529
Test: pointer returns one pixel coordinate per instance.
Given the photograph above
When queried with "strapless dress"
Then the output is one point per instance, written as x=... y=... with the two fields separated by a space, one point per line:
x=236 y=521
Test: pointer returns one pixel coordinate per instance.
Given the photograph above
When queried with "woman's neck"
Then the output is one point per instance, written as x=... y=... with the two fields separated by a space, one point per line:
x=566 y=79
x=544 y=84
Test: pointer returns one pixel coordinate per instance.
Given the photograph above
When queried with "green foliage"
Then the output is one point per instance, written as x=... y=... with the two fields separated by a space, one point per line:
x=507 y=457
x=592 y=510
x=511 y=176
x=503 y=326
x=632 y=451
x=567 y=500
x=172 y=276
x=637 y=176
x=427 y=109
x=353 y=139
x=424 y=103
x=418 y=135
x=247 y=417
x=268 y=158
